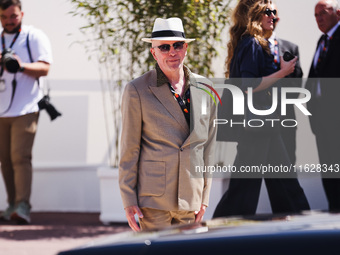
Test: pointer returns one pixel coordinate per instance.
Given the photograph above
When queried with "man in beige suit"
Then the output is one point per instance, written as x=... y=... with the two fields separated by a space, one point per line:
x=167 y=130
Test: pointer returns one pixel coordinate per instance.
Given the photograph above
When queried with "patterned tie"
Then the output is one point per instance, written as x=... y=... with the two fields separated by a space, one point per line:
x=323 y=52
x=274 y=49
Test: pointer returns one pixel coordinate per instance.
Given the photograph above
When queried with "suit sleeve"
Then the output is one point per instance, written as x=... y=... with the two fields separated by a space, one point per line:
x=297 y=74
x=130 y=145
x=294 y=79
x=209 y=153
x=298 y=70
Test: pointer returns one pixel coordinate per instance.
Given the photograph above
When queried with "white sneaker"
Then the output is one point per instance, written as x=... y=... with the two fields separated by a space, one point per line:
x=6 y=215
x=21 y=213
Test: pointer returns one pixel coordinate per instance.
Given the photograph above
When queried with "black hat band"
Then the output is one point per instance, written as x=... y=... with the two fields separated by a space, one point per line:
x=167 y=33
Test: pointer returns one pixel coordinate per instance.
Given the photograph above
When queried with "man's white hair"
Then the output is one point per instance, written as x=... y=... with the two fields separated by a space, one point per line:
x=334 y=4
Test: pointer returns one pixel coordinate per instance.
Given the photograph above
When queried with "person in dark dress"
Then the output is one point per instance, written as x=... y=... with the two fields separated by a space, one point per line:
x=254 y=65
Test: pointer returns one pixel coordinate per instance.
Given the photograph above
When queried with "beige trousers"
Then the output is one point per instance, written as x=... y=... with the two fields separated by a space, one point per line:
x=16 y=142
x=157 y=219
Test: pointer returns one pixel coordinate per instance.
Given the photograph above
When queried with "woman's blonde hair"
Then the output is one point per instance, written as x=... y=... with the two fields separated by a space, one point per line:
x=254 y=27
x=247 y=19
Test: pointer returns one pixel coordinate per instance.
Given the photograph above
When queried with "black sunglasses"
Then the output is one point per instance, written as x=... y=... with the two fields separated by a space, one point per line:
x=269 y=12
x=165 y=48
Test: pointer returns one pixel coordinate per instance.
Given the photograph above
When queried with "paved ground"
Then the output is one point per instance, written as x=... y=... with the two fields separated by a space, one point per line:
x=50 y=233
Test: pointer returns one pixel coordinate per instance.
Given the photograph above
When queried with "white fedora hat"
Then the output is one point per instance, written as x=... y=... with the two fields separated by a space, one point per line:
x=168 y=30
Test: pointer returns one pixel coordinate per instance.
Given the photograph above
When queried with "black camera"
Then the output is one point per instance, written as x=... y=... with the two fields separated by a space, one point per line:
x=287 y=56
x=9 y=60
x=44 y=103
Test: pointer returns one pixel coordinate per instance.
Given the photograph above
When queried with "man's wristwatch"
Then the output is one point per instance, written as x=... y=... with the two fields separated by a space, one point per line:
x=21 y=69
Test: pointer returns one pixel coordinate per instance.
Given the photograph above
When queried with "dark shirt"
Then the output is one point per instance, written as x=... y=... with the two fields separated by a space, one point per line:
x=250 y=61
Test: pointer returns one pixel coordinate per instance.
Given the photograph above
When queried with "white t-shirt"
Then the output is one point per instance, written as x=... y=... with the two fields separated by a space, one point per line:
x=28 y=93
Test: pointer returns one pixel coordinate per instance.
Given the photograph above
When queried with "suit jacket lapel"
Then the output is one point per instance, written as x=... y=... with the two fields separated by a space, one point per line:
x=195 y=106
x=195 y=110
x=165 y=96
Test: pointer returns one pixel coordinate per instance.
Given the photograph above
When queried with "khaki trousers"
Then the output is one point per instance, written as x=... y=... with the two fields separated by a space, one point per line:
x=158 y=219
x=16 y=142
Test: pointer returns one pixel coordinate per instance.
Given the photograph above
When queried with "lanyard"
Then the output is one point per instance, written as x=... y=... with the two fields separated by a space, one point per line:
x=13 y=41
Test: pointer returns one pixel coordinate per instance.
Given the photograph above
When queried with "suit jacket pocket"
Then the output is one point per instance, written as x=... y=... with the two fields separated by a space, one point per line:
x=151 y=178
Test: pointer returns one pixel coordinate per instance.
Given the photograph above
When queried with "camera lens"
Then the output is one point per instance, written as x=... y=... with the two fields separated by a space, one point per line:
x=9 y=61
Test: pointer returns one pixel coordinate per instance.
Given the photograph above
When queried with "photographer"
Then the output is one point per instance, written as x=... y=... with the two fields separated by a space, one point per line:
x=26 y=56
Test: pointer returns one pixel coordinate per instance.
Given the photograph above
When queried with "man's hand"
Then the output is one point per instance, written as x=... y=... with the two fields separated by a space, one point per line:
x=130 y=215
x=200 y=213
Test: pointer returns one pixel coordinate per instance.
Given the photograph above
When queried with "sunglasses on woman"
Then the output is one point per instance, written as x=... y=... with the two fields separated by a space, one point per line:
x=165 y=48
x=269 y=12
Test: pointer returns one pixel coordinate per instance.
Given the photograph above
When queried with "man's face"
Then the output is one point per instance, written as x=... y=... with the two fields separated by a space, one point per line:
x=11 y=18
x=277 y=18
x=172 y=60
x=325 y=16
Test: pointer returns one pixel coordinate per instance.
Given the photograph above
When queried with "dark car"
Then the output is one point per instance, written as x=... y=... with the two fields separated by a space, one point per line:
x=312 y=233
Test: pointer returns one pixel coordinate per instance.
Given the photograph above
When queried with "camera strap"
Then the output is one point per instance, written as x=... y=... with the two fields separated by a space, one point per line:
x=14 y=86
x=13 y=41
x=14 y=81
x=30 y=54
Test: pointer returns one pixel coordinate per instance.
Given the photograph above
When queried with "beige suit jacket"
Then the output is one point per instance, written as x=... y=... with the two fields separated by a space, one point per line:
x=159 y=152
